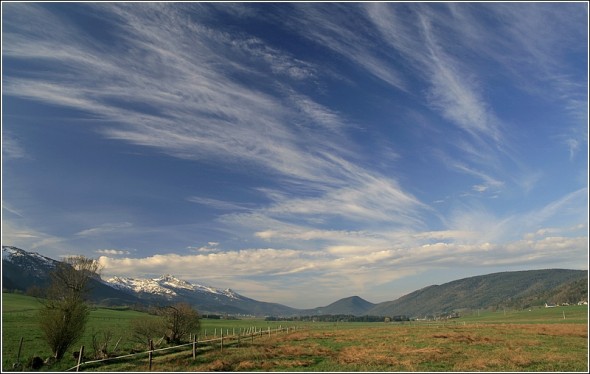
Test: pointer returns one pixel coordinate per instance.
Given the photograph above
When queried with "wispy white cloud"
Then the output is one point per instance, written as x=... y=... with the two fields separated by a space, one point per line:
x=181 y=87
x=20 y=235
x=336 y=27
x=104 y=229
x=12 y=148
x=217 y=204
x=452 y=92
x=188 y=104
x=351 y=269
x=210 y=247
x=112 y=252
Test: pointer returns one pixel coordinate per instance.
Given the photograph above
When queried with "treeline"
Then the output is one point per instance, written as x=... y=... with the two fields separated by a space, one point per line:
x=340 y=318
x=571 y=293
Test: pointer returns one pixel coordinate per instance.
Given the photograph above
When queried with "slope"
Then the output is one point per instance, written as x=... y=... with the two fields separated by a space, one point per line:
x=492 y=290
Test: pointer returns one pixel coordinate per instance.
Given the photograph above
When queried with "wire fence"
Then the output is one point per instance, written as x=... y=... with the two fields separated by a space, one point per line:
x=245 y=334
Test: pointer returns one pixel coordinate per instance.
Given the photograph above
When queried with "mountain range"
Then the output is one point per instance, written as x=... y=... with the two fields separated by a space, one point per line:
x=23 y=271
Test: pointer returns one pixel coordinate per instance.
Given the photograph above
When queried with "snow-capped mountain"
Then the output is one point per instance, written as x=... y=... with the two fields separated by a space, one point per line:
x=150 y=286
x=22 y=270
x=32 y=261
x=167 y=286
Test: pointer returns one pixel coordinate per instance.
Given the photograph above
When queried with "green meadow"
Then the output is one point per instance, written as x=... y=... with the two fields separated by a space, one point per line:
x=539 y=339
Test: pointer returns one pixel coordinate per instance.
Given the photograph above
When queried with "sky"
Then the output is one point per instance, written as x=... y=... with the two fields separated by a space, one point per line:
x=298 y=153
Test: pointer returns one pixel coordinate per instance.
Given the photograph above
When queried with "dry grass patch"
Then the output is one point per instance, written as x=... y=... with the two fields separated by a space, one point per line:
x=404 y=348
x=219 y=365
x=466 y=338
x=363 y=355
x=246 y=366
x=478 y=364
x=520 y=359
x=291 y=363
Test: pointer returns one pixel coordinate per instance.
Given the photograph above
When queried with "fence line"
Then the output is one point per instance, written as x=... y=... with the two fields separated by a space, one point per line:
x=252 y=332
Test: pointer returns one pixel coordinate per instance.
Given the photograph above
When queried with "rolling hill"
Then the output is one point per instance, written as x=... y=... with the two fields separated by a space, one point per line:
x=22 y=270
x=487 y=291
x=353 y=305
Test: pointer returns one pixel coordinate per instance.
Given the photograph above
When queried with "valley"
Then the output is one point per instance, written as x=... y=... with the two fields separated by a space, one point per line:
x=514 y=340
x=23 y=271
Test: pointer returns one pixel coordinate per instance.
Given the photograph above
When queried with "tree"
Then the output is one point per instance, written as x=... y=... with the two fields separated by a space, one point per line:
x=64 y=313
x=144 y=329
x=179 y=320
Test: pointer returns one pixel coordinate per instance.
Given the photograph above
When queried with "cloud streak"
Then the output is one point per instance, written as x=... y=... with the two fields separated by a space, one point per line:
x=355 y=270
x=342 y=194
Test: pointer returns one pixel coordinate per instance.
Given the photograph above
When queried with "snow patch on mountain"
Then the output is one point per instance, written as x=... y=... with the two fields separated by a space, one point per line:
x=12 y=254
x=171 y=281
x=166 y=285
x=151 y=286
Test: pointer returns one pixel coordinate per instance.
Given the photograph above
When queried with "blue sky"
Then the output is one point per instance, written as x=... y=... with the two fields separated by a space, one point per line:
x=298 y=152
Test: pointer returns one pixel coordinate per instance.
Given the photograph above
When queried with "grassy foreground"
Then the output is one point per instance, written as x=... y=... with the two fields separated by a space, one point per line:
x=536 y=340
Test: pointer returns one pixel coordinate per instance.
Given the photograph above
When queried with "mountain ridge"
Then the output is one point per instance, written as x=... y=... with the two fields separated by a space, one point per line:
x=484 y=291
x=22 y=270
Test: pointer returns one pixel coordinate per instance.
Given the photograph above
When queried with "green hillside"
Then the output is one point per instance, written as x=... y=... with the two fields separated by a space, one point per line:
x=353 y=305
x=519 y=289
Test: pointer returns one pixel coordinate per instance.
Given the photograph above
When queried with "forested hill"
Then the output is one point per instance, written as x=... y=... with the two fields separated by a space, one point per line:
x=353 y=305
x=510 y=289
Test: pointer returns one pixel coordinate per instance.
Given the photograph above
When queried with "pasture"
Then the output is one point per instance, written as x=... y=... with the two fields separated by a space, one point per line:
x=536 y=340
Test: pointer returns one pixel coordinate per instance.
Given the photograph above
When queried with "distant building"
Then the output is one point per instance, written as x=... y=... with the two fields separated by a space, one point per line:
x=583 y=302
x=550 y=305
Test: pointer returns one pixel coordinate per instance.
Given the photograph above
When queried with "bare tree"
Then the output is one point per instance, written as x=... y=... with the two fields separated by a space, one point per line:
x=70 y=279
x=179 y=320
x=144 y=329
x=64 y=313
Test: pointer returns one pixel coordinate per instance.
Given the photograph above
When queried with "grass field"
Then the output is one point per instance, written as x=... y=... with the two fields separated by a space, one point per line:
x=536 y=340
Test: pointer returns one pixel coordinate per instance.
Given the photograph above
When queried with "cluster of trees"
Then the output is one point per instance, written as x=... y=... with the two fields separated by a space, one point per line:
x=570 y=292
x=65 y=311
x=340 y=318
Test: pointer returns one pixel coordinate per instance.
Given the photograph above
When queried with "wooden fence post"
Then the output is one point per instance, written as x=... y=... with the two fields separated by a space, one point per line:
x=20 y=347
x=221 y=340
x=150 y=355
x=194 y=346
x=116 y=345
x=269 y=331
x=80 y=358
